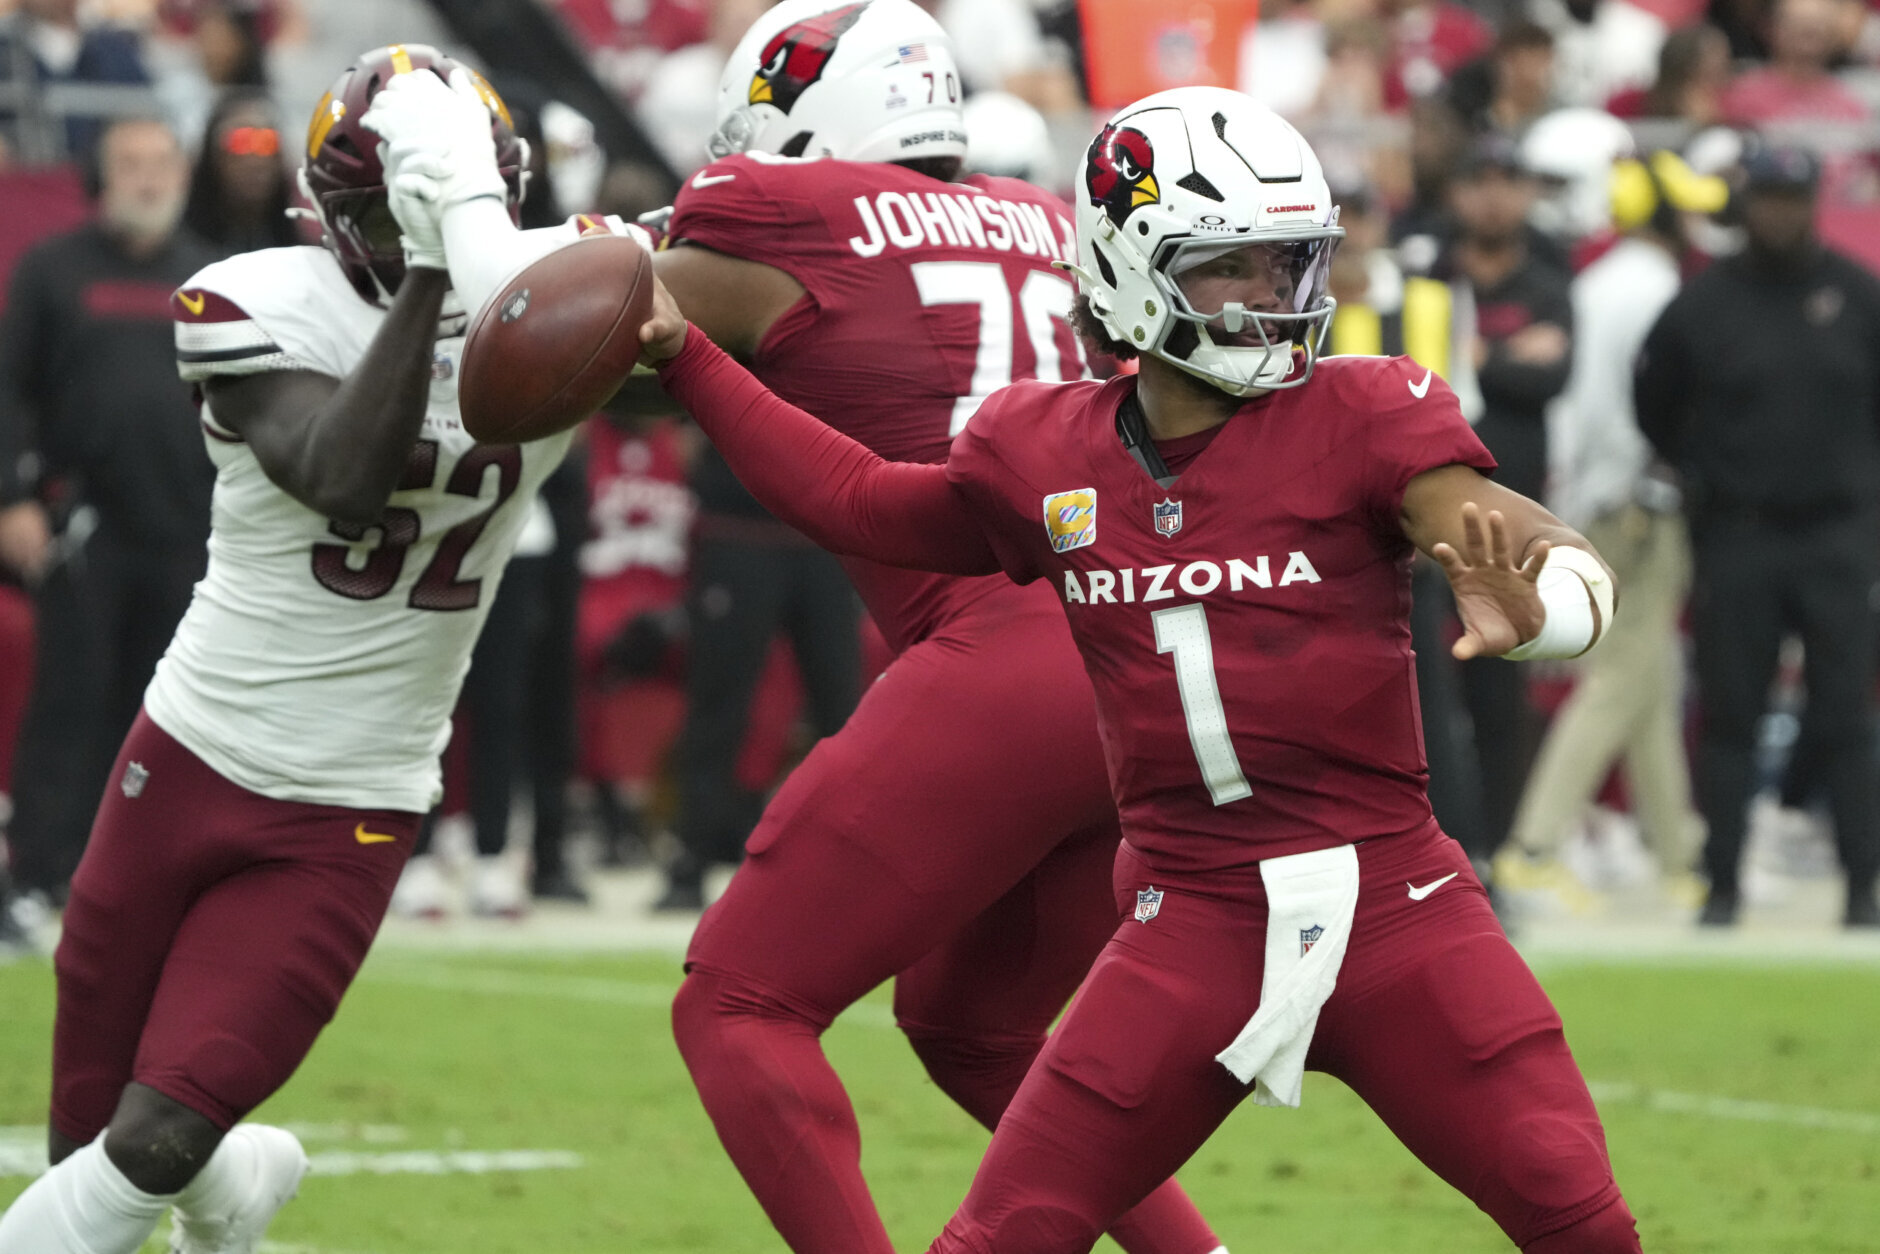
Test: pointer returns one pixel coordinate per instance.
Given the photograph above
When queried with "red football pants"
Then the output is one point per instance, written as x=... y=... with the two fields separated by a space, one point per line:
x=958 y=832
x=1435 y=1022
x=210 y=935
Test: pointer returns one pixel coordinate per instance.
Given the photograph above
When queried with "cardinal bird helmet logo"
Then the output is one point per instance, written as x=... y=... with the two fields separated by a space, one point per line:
x=1119 y=172
x=796 y=56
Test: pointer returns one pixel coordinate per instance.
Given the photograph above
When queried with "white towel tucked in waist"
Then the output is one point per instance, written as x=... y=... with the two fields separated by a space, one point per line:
x=1311 y=898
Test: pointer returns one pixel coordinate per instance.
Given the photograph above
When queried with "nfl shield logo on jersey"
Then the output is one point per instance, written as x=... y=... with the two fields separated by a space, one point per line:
x=1168 y=517
x=1308 y=937
x=135 y=777
x=1148 y=903
x=1070 y=519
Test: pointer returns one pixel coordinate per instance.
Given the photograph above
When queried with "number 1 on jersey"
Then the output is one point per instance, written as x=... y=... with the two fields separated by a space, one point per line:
x=1183 y=631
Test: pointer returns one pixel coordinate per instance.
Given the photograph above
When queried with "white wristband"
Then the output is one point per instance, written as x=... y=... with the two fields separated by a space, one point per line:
x=1567 y=578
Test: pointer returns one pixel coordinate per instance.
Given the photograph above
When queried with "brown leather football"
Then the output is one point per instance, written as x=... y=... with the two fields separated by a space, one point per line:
x=557 y=341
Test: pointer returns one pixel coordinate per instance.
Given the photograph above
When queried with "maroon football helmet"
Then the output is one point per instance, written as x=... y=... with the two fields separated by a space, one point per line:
x=344 y=180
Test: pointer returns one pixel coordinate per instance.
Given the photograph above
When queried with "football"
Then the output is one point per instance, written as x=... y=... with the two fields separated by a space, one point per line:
x=556 y=342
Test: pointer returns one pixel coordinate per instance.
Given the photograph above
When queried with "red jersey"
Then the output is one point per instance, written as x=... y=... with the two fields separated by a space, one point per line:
x=1246 y=630
x=924 y=298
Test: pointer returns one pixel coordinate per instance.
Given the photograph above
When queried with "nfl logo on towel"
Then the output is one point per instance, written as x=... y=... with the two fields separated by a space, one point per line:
x=1168 y=517
x=1148 y=903
x=1308 y=937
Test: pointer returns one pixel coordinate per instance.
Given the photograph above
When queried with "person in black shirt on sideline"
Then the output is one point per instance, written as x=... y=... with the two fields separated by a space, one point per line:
x=97 y=435
x=1761 y=383
x=1524 y=324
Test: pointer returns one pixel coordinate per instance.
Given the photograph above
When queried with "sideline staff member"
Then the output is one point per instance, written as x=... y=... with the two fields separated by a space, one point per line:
x=1761 y=383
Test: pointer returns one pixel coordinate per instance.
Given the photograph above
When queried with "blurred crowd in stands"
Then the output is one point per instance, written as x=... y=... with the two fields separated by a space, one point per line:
x=1526 y=185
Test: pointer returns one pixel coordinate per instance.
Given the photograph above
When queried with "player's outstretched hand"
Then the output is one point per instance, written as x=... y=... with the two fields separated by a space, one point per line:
x=662 y=335
x=1497 y=599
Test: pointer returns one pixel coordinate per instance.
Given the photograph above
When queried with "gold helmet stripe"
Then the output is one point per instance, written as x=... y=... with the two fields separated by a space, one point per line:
x=401 y=60
x=326 y=115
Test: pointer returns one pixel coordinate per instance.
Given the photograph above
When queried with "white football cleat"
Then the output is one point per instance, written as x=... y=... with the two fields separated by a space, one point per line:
x=421 y=892
x=277 y=1163
x=496 y=889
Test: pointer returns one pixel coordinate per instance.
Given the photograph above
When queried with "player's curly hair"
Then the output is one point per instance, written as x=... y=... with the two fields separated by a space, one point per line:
x=1095 y=335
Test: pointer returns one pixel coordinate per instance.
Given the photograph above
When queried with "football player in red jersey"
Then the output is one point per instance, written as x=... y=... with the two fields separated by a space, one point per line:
x=831 y=246
x=1230 y=535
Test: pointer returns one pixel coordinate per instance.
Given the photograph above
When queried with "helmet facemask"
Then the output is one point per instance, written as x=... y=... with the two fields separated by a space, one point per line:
x=1272 y=342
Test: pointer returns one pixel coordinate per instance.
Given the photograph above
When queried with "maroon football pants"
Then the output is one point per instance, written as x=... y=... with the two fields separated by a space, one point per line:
x=210 y=935
x=1435 y=1022
x=957 y=833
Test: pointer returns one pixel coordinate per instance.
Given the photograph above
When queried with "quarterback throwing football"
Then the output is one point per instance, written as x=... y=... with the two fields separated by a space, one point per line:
x=1229 y=535
x=835 y=245
x=267 y=797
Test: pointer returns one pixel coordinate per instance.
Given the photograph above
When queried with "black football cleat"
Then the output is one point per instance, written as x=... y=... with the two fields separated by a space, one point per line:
x=1720 y=910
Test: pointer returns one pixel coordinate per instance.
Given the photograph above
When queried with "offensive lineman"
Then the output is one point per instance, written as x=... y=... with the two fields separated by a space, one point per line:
x=1230 y=535
x=267 y=797
x=929 y=840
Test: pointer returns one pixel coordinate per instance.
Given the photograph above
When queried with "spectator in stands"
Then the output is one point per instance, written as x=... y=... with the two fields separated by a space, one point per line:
x=1796 y=85
x=1430 y=40
x=1425 y=225
x=88 y=387
x=1522 y=352
x=1601 y=47
x=1760 y=383
x=1507 y=91
x=240 y=193
x=1342 y=117
x=1693 y=73
x=1627 y=703
x=47 y=41
x=204 y=49
x=1745 y=23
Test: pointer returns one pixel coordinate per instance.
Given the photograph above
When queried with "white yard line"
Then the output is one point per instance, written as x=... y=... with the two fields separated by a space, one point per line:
x=1711 y=1106
x=453 y=977
x=442 y=1162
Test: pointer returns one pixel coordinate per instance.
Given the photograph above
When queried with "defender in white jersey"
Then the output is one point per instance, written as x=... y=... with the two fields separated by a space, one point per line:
x=269 y=794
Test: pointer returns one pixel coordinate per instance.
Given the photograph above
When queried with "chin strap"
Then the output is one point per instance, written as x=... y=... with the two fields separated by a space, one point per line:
x=1132 y=427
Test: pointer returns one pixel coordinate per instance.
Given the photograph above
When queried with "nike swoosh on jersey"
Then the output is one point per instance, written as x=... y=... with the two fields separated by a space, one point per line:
x=195 y=306
x=1418 y=894
x=1421 y=390
x=702 y=179
x=364 y=837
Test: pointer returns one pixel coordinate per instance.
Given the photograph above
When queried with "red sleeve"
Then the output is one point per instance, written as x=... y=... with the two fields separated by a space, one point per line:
x=1412 y=423
x=821 y=482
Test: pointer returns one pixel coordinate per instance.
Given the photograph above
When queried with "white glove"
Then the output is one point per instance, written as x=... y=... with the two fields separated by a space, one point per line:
x=416 y=114
x=413 y=194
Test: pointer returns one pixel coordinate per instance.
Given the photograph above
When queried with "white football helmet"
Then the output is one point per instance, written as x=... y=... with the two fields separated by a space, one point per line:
x=1007 y=137
x=1572 y=152
x=1187 y=176
x=867 y=80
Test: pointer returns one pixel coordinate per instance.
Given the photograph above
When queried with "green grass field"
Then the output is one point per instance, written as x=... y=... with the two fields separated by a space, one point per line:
x=1742 y=1104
